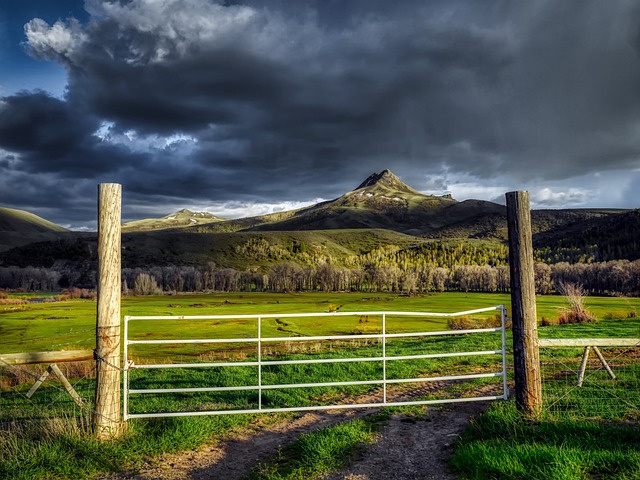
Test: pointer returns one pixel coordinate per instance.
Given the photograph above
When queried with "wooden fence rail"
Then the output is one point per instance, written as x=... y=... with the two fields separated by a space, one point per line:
x=46 y=357
x=10 y=360
x=590 y=344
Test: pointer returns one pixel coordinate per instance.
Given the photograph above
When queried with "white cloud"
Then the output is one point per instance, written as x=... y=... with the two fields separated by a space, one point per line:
x=547 y=197
x=59 y=41
x=174 y=26
x=178 y=142
x=9 y=159
x=467 y=190
x=434 y=185
x=230 y=209
x=239 y=209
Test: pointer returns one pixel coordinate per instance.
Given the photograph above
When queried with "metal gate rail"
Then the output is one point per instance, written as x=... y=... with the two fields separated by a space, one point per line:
x=260 y=340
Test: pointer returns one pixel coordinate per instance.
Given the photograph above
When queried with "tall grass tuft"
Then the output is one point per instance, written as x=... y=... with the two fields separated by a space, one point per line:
x=467 y=322
x=577 y=312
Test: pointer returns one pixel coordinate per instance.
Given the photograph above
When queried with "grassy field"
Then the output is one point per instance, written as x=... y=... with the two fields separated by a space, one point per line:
x=71 y=324
x=499 y=443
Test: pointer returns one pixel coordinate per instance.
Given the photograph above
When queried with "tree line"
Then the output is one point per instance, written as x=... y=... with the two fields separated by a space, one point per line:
x=601 y=278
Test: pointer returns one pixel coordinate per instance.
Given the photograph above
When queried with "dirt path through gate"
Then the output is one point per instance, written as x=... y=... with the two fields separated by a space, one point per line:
x=412 y=448
x=408 y=447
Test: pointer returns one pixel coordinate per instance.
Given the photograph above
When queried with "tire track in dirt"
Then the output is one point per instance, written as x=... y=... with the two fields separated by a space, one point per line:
x=409 y=446
x=412 y=448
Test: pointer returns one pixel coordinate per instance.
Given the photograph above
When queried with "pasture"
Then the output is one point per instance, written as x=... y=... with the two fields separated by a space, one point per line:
x=50 y=448
x=71 y=324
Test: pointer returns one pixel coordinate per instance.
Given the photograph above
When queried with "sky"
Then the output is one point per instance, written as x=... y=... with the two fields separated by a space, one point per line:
x=248 y=107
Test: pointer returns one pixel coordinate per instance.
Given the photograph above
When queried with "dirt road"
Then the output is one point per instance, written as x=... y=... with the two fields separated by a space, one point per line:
x=408 y=447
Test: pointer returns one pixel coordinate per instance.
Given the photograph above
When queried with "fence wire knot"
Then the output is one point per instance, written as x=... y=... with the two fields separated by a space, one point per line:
x=99 y=358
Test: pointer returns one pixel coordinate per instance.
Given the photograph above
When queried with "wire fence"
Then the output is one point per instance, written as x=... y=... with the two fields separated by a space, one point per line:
x=54 y=389
x=24 y=400
x=591 y=381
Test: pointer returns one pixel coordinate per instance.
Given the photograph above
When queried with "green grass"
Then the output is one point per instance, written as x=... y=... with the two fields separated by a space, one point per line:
x=63 y=450
x=623 y=328
x=503 y=444
x=317 y=453
x=586 y=432
x=71 y=324
x=84 y=458
x=49 y=448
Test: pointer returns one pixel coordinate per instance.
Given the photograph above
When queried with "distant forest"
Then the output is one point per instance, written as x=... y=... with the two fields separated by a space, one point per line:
x=617 y=277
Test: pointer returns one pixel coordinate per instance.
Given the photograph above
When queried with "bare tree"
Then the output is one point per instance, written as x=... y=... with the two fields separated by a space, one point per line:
x=146 y=284
x=542 y=273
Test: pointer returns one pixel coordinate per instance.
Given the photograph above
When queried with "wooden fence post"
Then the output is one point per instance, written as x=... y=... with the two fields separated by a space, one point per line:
x=528 y=385
x=106 y=417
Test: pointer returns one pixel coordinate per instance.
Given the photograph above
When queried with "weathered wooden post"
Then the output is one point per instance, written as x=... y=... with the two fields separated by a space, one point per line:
x=528 y=385
x=106 y=417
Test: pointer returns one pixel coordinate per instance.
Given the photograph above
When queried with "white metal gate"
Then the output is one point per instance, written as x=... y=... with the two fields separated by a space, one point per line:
x=261 y=340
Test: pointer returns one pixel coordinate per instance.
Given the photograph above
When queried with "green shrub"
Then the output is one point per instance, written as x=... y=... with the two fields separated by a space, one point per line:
x=467 y=322
x=615 y=315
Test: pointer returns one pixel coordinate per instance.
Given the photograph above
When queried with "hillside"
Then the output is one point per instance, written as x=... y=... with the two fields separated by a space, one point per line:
x=607 y=235
x=256 y=250
x=181 y=219
x=382 y=212
x=546 y=224
x=18 y=227
x=240 y=250
x=382 y=201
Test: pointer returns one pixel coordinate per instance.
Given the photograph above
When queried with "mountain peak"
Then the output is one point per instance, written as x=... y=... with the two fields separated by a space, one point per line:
x=387 y=179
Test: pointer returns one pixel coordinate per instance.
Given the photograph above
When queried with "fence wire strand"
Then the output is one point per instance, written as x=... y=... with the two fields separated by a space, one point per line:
x=50 y=399
x=599 y=395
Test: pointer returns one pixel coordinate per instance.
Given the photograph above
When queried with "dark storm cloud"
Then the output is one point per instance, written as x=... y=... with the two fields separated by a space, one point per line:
x=37 y=121
x=292 y=100
x=49 y=135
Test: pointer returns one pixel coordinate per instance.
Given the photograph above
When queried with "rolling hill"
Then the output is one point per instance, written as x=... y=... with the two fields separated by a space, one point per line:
x=18 y=227
x=604 y=236
x=383 y=201
x=181 y=219
x=544 y=223
x=381 y=212
x=256 y=250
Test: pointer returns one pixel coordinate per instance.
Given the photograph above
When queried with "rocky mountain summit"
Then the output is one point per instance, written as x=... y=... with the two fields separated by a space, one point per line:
x=387 y=179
